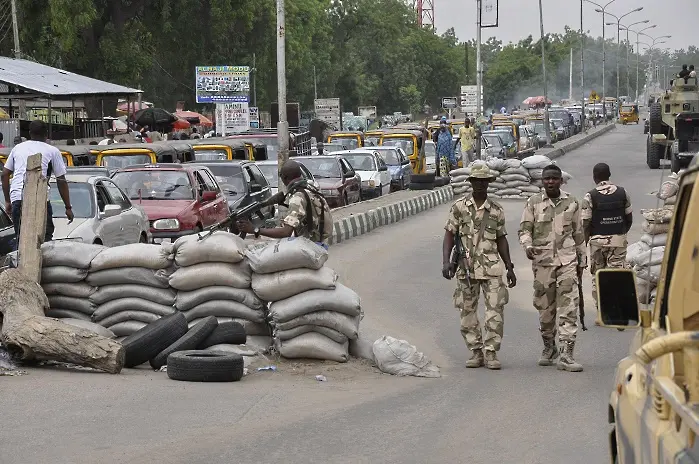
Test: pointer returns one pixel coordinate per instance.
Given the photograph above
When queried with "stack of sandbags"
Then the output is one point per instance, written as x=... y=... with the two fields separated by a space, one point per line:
x=312 y=316
x=669 y=189
x=459 y=178
x=535 y=164
x=132 y=286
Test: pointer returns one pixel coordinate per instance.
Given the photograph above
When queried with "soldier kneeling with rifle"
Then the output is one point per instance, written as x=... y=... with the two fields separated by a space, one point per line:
x=309 y=215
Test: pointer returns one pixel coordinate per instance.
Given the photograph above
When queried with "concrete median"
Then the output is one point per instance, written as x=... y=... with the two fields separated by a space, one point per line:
x=577 y=141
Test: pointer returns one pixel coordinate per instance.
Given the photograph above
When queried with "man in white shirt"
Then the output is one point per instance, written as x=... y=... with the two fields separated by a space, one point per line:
x=16 y=166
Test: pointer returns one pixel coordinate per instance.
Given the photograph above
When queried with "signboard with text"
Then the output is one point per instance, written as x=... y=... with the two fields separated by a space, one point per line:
x=232 y=118
x=468 y=99
x=368 y=112
x=328 y=110
x=449 y=103
x=222 y=84
x=254 y=117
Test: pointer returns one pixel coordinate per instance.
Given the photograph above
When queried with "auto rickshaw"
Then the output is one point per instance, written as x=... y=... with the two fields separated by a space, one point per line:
x=628 y=113
x=213 y=149
x=350 y=139
x=371 y=138
x=120 y=155
x=514 y=129
x=411 y=141
x=78 y=155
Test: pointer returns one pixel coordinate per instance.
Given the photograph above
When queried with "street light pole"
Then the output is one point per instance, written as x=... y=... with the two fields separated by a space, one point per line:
x=604 y=52
x=618 y=45
x=547 y=124
x=282 y=125
x=479 y=65
x=582 y=68
x=638 y=57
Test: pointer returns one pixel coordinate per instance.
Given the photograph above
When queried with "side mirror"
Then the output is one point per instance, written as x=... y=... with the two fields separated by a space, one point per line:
x=383 y=168
x=255 y=188
x=111 y=211
x=208 y=195
x=617 y=299
x=405 y=161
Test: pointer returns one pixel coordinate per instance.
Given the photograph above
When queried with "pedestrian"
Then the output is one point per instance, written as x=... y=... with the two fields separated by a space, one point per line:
x=2 y=138
x=442 y=139
x=320 y=148
x=110 y=138
x=479 y=224
x=552 y=235
x=607 y=217
x=467 y=136
x=692 y=71
x=16 y=166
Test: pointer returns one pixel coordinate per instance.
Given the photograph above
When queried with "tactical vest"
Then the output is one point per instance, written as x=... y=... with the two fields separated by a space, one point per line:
x=608 y=213
x=305 y=188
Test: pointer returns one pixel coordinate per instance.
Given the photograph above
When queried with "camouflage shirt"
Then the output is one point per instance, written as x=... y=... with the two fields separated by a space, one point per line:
x=605 y=188
x=553 y=228
x=464 y=222
x=296 y=217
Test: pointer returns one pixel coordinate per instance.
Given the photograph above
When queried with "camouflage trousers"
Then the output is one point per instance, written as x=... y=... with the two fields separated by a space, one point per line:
x=496 y=297
x=605 y=258
x=556 y=294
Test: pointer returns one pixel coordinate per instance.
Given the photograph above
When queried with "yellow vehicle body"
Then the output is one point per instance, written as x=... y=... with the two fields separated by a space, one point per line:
x=78 y=155
x=207 y=151
x=371 y=138
x=654 y=404
x=628 y=114
x=352 y=140
x=68 y=159
x=412 y=143
x=126 y=156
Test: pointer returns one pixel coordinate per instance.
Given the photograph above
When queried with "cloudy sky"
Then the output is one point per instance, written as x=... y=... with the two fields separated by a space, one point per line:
x=520 y=18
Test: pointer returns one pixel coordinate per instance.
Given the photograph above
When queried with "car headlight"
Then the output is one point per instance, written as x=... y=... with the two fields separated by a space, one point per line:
x=368 y=183
x=329 y=192
x=166 y=224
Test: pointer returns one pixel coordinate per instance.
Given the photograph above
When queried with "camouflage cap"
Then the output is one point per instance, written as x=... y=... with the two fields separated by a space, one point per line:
x=481 y=171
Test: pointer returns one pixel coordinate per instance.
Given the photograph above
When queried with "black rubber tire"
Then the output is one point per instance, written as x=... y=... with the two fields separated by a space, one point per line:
x=229 y=332
x=654 y=155
x=205 y=366
x=144 y=344
x=189 y=341
x=656 y=119
x=423 y=178
x=675 y=164
x=442 y=181
x=421 y=186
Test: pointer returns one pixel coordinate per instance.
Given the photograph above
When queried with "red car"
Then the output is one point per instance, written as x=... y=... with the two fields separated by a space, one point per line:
x=179 y=199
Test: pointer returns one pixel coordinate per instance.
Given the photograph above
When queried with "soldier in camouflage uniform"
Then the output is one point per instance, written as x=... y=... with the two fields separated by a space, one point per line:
x=551 y=233
x=479 y=224
x=607 y=218
x=314 y=223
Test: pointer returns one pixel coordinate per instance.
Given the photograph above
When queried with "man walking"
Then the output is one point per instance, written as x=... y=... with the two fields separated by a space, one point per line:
x=467 y=136
x=551 y=233
x=445 y=148
x=478 y=223
x=607 y=217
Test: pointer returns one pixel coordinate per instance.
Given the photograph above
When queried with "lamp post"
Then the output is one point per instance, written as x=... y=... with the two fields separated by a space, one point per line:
x=628 y=43
x=582 y=67
x=618 y=43
x=656 y=41
x=602 y=9
x=638 y=54
x=547 y=124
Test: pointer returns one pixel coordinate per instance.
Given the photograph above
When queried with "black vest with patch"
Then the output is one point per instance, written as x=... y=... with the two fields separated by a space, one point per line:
x=608 y=213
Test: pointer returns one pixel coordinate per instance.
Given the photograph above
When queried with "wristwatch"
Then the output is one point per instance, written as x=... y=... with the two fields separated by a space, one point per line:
x=257 y=232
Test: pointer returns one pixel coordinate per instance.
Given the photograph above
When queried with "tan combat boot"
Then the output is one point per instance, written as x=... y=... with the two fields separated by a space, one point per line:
x=549 y=353
x=566 y=361
x=476 y=360
x=491 y=360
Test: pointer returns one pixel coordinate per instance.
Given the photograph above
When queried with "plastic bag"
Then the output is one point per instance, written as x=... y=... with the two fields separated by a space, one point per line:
x=208 y=274
x=286 y=254
x=222 y=247
x=188 y=300
x=144 y=255
x=340 y=299
x=69 y=253
x=398 y=357
x=313 y=345
x=281 y=285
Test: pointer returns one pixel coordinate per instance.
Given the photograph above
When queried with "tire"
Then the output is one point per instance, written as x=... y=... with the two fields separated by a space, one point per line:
x=423 y=178
x=675 y=164
x=229 y=332
x=380 y=191
x=654 y=155
x=189 y=341
x=144 y=344
x=441 y=181
x=421 y=186
x=656 y=119
x=205 y=366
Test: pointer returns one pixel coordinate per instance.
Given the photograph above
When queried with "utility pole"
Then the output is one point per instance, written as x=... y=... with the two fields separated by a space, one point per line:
x=618 y=52
x=282 y=125
x=582 y=67
x=570 y=84
x=254 y=80
x=315 y=84
x=15 y=28
x=628 y=85
x=638 y=61
x=604 y=62
x=547 y=124
x=479 y=65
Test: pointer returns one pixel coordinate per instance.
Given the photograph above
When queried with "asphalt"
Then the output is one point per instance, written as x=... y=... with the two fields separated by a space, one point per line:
x=521 y=414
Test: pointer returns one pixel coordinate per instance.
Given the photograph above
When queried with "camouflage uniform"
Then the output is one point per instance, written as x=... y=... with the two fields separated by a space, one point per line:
x=296 y=217
x=606 y=251
x=485 y=275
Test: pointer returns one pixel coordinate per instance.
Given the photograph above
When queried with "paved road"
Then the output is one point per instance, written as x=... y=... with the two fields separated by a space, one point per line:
x=523 y=414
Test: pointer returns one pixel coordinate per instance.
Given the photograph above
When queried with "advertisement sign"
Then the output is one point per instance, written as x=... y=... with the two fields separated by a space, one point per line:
x=222 y=84
x=368 y=112
x=254 y=117
x=489 y=13
x=468 y=101
x=449 y=103
x=328 y=110
x=232 y=118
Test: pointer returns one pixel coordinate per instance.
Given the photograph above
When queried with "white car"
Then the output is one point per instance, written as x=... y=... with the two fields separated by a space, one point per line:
x=430 y=155
x=372 y=170
x=103 y=213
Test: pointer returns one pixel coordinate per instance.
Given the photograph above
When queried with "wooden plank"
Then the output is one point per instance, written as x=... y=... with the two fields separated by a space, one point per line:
x=33 y=222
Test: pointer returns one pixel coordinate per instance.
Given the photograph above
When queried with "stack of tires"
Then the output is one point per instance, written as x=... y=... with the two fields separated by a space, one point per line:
x=425 y=181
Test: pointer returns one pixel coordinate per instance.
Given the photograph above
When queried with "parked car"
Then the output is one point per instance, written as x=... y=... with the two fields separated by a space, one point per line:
x=102 y=212
x=7 y=232
x=561 y=130
x=180 y=199
x=532 y=137
x=91 y=170
x=539 y=129
x=492 y=145
x=398 y=166
x=270 y=170
x=372 y=170
x=331 y=147
x=338 y=182
x=508 y=139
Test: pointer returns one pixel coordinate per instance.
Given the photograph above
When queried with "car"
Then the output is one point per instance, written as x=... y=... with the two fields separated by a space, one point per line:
x=338 y=182
x=8 y=238
x=430 y=156
x=398 y=166
x=492 y=146
x=91 y=170
x=560 y=129
x=179 y=199
x=507 y=138
x=372 y=170
x=103 y=213
x=270 y=169
x=331 y=147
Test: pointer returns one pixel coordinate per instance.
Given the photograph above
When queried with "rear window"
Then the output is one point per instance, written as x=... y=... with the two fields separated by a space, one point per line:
x=210 y=155
x=121 y=161
x=155 y=184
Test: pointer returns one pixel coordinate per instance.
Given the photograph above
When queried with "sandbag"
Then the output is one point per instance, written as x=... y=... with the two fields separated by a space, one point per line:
x=670 y=201
x=517 y=184
x=512 y=163
x=657 y=215
x=340 y=299
x=530 y=189
x=668 y=188
x=497 y=185
x=210 y=274
x=538 y=183
x=511 y=177
x=461 y=190
x=259 y=342
x=144 y=255
x=536 y=162
x=80 y=305
x=242 y=350
x=522 y=171
x=127 y=328
x=333 y=335
x=124 y=316
x=62 y=274
x=398 y=357
x=654 y=228
x=536 y=174
x=76 y=290
x=460 y=172
x=510 y=191
x=188 y=300
x=91 y=326
x=643 y=290
x=458 y=179
x=342 y=323
x=219 y=247
x=651 y=274
x=285 y=254
x=496 y=164
x=67 y=314
x=163 y=296
x=654 y=240
x=313 y=345
x=69 y=253
x=130 y=304
x=566 y=177
x=281 y=285
x=651 y=257
x=634 y=250
x=251 y=328
x=129 y=275
x=223 y=308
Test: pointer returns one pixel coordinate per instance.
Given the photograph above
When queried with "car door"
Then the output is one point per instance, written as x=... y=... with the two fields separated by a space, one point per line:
x=220 y=204
x=255 y=188
x=405 y=168
x=266 y=192
x=107 y=229
x=351 y=180
x=207 y=209
x=130 y=217
x=384 y=175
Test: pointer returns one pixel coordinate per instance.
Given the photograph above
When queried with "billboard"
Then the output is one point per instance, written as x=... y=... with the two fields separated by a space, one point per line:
x=328 y=110
x=232 y=118
x=489 y=13
x=368 y=112
x=449 y=103
x=468 y=101
x=222 y=84
x=254 y=117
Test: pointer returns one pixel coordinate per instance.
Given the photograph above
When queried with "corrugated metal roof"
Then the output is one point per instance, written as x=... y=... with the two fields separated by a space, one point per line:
x=42 y=79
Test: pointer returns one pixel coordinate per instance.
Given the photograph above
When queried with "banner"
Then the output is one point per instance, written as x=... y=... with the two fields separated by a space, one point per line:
x=232 y=118
x=328 y=110
x=222 y=84
x=489 y=13
x=254 y=117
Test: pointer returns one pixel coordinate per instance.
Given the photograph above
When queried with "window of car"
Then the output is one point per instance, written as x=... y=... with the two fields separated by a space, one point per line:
x=81 y=199
x=257 y=175
x=361 y=161
x=116 y=195
x=102 y=196
x=155 y=184
x=210 y=181
x=345 y=166
x=382 y=163
x=5 y=221
x=323 y=167
x=205 y=180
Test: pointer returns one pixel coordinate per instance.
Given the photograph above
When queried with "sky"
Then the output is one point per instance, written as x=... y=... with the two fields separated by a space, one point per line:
x=520 y=18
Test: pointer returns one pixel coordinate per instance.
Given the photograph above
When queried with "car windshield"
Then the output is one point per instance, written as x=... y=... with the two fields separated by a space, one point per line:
x=371 y=140
x=493 y=140
x=230 y=177
x=539 y=128
x=331 y=147
x=210 y=155
x=155 y=184
x=506 y=136
x=405 y=144
x=360 y=161
x=271 y=173
x=349 y=142
x=627 y=109
x=322 y=167
x=390 y=157
x=81 y=199
x=430 y=149
x=269 y=142
x=121 y=161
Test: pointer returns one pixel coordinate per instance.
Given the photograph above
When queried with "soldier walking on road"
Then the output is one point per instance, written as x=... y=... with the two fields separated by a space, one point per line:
x=551 y=233
x=479 y=224
x=607 y=217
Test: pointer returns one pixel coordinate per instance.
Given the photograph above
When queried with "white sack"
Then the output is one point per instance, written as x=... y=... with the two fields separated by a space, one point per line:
x=461 y=190
x=130 y=304
x=668 y=189
x=223 y=308
x=251 y=328
x=188 y=300
x=536 y=174
x=242 y=350
x=281 y=285
x=340 y=299
x=209 y=274
x=566 y=177
x=220 y=247
x=91 y=326
x=512 y=177
x=285 y=254
x=59 y=313
x=398 y=357
x=634 y=250
x=651 y=274
x=127 y=328
x=333 y=335
x=496 y=164
x=62 y=274
x=144 y=255
x=69 y=253
x=530 y=189
x=458 y=179
x=521 y=170
x=81 y=305
x=129 y=275
x=163 y=296
x=261 y=343
x=654 y=228
x=76 y=290
x=347 y=325
x=670 y=201
x=313 y=345
x=654 y=240
x=652 y=257
x=460 y=172
x=517 y=184
x=497 y=185
x=536 y=162
x=509 y=191
x=512 y=163
x=658 y=215
x=123 y=316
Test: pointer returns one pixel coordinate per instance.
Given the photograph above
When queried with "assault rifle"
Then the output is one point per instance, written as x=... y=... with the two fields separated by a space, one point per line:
x=581 y=302
x=246 y=212
x=458 y=255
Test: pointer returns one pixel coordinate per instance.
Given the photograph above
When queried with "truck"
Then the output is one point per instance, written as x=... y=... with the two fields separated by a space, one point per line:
x=673 y=125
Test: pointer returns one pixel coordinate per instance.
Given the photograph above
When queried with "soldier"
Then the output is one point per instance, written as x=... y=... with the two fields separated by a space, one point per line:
x=607 y=218
x=479 y=224
x=551 y=233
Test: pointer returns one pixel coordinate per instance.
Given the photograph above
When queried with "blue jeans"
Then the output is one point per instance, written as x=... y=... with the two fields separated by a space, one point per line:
x=17 y=219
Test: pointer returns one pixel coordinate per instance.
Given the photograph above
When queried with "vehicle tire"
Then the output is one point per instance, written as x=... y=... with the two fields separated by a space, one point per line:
x=423 y=178
x=147 y=342
x=418 y=186
x=189 y=341
x=675 y=164
x=229 y=332
x=654 y=155
x=656 y=119
x=205 y=366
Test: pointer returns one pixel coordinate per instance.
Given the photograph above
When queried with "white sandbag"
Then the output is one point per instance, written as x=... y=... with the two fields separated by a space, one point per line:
x=634 y=250
x=537 y=183
x=146 y=255
x=512 y=163
x=261 y=343
x=281 y=285
x=124 y=316
x=242 y=350
x=342 y=323
x=333 y=335
x=285 y=254
x=188 y=300
x=536 y=162
x=460 y=172
x=670 y=201
x=497 y=185
x=163 y=296
x=517 y=184
x=210 y=274
x=67 y=314
x=223 y=308
x=129 y=275
x=510 y=191
x=251 y=328
x=398 y=357
x=654 y=228
x=130 y=304
x=313 y=345
x=496 y=164
x=458 y=179
x=76 y=290
x=654 y=240
x=521 y=170
x=536 y=174
x=461 y=190
x=91 y=326
x=668 y=189
x=124 y=329
x=69 y=253
x=652 y=257
x=80 y=305
x=566 y=177
x=62 y=274
x=340 y=299
x=658 y=215
x=512 y=177
x=651 y=274
x=530 y=189
x=220 y=247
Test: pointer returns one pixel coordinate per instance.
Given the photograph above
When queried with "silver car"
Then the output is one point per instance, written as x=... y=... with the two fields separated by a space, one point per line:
x=103 y=213
x=398 y=166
